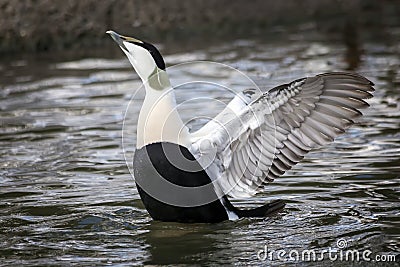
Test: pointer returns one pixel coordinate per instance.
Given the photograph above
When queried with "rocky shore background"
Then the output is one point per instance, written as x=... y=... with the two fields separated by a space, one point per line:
x=42 y=25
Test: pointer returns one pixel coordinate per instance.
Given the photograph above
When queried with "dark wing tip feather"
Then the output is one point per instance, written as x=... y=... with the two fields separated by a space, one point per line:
x=355 y=76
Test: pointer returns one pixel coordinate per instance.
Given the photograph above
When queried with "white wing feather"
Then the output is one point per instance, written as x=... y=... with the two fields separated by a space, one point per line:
x=259 y=136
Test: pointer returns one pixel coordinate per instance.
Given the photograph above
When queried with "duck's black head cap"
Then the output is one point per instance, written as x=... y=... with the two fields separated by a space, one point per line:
x=154 y=53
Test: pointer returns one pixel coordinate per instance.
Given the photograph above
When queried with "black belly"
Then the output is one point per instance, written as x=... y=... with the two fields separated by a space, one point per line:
x=174 y=187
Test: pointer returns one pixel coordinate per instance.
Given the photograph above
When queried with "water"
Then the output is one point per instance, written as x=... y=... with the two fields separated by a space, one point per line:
x=67 y=197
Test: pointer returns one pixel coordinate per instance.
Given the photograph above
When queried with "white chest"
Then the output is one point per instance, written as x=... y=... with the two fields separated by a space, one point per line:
x=159 y=120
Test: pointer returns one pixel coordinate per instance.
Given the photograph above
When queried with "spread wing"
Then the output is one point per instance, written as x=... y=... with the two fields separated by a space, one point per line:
x=259 y=136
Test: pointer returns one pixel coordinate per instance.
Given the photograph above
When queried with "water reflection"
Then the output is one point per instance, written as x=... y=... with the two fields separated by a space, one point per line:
x=171 y=243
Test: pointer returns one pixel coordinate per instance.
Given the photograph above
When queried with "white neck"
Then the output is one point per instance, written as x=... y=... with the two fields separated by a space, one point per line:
x=159 y=120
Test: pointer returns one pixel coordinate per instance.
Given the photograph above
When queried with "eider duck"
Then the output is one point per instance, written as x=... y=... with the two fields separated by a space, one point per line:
x=187 y=177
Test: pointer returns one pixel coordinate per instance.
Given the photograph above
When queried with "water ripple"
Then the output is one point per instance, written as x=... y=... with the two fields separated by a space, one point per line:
x=67 y=197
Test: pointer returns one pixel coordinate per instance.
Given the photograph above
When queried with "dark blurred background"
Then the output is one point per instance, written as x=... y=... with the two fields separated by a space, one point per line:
x=43 y=25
